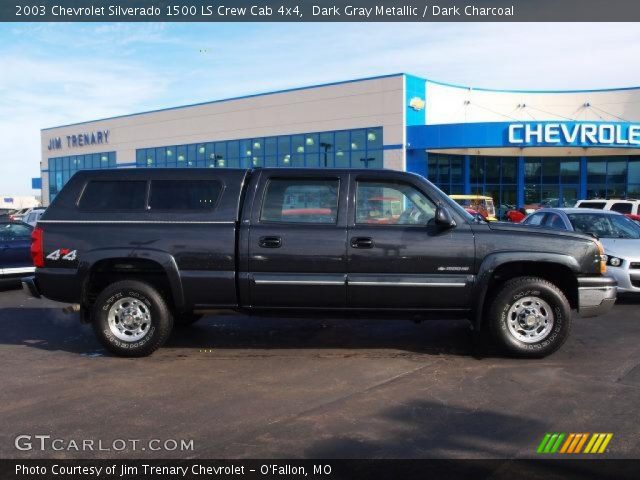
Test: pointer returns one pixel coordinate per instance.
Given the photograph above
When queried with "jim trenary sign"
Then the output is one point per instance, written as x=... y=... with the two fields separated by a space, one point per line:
x=574 y=134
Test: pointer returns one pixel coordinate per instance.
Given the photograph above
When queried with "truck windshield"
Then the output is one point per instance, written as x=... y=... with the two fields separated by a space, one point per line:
x=604 y=226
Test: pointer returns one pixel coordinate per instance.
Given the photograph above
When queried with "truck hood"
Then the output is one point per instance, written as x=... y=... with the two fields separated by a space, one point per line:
x=525 y=229
x=627 y=248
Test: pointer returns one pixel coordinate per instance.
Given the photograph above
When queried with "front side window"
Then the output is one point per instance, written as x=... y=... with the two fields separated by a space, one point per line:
x=301 y=201
x=389 y=203
x=105 y=195
x=184 y=194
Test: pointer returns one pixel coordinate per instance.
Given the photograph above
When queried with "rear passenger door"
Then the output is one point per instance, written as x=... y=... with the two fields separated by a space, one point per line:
x=297 y=241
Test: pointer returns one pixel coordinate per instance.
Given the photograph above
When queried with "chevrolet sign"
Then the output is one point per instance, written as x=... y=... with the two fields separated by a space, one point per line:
x=581 y=134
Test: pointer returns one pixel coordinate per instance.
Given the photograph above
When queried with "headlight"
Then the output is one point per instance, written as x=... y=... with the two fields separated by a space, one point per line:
x=603 y=257
x=614 y=261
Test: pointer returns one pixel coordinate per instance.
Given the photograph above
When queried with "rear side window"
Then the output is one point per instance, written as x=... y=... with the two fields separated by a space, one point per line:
x=599 y=205
x=184 y=194
x=106 y=195
x=622 y=207
x=301 y=201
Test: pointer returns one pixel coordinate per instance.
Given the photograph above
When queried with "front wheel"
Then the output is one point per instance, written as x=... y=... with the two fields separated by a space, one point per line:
x=131 y=318
x=530 y=317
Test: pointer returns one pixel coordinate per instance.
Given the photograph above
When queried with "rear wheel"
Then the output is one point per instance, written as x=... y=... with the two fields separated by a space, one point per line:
x=530 y=317
x=131 y=318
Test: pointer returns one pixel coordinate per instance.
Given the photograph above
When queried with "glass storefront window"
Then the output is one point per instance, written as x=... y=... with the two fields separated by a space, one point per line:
x=596 y=171
x=570 y=171
x=343 y=158
x=360 y=148
x=233 y=152
x=569 y=197
x=532 y=170
x=374 y=138
x=150 y=157
x=358 y=140
x=456 y=169
x=161 y=157
x=633 y=171
x=444 y=170
x=342 y=141
x=617 y=171
x=270 y=147
x=191 y=156
x=311 y=143
x=509 y=170
x=312 y=160
x=297 y=144
x=550 y=196
x=596 y=190
x=550 y=170
x=492 y=169
x=633 y=191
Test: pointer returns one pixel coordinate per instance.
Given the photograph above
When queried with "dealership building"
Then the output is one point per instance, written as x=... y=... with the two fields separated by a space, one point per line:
x=520 y=147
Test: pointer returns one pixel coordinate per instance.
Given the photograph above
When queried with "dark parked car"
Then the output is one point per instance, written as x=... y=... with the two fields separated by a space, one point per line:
x=15 y=258
x=138 y=250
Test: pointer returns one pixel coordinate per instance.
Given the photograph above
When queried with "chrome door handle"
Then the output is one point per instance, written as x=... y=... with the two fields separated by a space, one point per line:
x=270 y=242
x=361 y=242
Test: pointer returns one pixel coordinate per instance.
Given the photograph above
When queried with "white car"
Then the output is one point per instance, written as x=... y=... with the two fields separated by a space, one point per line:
x=619 y=235
x=32 y=216
x=631 y=208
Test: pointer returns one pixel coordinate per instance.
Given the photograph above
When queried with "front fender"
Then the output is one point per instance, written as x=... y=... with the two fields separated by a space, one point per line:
x=165 y=260
x=494 y=260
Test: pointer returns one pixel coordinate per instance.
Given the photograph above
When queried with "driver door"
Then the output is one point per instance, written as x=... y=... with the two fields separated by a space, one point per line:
x=397 y=257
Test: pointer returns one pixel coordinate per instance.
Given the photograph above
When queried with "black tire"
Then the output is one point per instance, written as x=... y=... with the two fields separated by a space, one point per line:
x=155 y=331
x=543 y=337
x=187 y=319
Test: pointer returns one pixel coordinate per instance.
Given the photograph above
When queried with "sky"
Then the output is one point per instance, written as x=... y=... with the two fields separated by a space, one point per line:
x=55 y=74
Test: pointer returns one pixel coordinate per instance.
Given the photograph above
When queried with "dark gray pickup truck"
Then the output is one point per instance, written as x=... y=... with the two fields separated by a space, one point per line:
x=139 y=250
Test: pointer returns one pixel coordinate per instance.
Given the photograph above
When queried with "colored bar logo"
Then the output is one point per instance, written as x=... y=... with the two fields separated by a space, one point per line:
x=593 y=443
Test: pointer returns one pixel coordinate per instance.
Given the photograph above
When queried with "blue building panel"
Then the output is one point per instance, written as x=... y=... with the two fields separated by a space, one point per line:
x=415 y=101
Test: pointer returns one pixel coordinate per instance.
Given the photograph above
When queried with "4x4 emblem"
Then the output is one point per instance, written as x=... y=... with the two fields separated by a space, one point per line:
x=63 y=253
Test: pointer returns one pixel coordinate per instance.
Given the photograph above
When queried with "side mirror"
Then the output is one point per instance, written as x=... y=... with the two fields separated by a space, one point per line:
x=444 y=218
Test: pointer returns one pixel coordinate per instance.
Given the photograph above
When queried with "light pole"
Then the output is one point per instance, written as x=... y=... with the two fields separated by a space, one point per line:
x=326 y=147
x=366 y=161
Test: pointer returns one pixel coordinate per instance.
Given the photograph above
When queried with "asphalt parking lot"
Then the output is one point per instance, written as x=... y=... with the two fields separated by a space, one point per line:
x=254 y=388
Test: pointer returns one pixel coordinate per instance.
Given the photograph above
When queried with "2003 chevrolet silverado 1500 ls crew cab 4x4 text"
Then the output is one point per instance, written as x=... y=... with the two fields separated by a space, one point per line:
x=139 y=250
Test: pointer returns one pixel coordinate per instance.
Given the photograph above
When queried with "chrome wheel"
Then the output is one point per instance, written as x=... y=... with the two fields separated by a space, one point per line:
x=530 y=319
x=129 y=319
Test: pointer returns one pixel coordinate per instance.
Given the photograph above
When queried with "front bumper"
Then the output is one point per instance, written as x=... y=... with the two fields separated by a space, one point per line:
x=596 y=295
x=628 y=278
x=30 y=287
